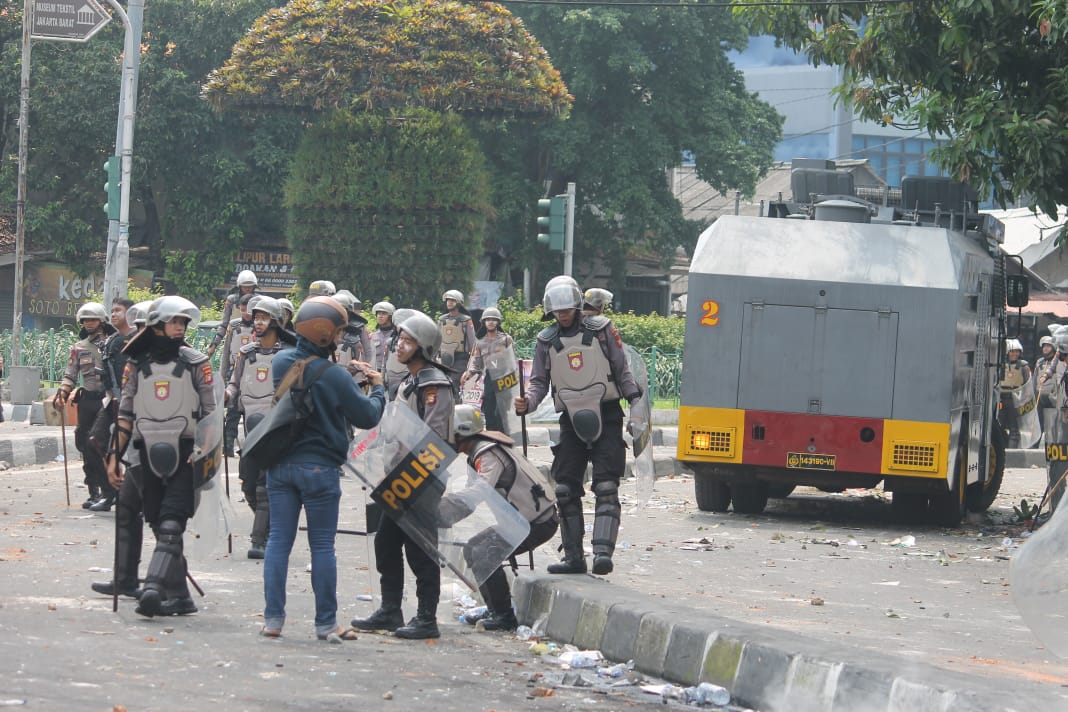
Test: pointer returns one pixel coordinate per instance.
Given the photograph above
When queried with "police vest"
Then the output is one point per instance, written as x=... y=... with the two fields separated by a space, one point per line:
x=523 y=484
x=350 y=349
x=454 y=346
x=257 y=386
x=90 y=364
x=241 y=335
x=396 y=371
x=1014 y=375
x=581 y=376
x=411 y=393
x=380 y=341
x=166 y=408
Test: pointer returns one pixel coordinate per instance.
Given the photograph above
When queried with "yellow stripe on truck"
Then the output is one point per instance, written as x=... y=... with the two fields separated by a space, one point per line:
x=710 y=434
x=915 y=449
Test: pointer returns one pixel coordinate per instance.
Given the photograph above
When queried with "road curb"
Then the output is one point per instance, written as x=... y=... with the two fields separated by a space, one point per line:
x=765 y=668
x=20 y=450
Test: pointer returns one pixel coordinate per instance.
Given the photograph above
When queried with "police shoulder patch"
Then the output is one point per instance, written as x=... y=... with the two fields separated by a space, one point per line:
x=206 y=371
x=430 y=396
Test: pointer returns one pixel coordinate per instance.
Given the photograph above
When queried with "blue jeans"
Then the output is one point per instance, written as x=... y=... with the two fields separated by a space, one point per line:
x=318 y=489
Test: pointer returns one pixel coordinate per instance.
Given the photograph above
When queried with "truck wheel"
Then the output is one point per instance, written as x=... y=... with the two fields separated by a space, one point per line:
x=910 y=507
x=981 y=495
x=947 y=508
x=779 y=491
x=713 y=493
x=750 y=498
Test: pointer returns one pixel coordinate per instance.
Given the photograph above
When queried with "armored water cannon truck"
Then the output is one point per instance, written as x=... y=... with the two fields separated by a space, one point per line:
x=837 y=343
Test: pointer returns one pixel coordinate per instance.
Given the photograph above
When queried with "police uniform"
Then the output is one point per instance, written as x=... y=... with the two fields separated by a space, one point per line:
x=522 y=484
x=488 y=346
x=381 y=339
x=355 y=346
x=164 y=394
x=239 y=333
x=395 y=372
x=251 y=391
x=588 y=371
x=86 y=361
x=429 y=394
x=457 y=341
x=1017 y=373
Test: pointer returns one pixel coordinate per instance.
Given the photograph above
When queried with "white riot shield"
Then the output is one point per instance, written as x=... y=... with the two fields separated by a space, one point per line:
x=1026 y=402
x=441 y=503
x=210 y=524
x=472 y=390
x=1038 y=577
x=502 y=376
x=641 y=416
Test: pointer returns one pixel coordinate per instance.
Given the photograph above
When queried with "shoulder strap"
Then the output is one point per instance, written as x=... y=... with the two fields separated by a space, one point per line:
x=293 y=375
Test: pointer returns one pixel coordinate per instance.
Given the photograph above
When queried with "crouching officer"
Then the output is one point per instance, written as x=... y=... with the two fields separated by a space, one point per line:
x=491 y=455
x=427 y=391
x=251 y=388
x=167 y=389
x=584 y=359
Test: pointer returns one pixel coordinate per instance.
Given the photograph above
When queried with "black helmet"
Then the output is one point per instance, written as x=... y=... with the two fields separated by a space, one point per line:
x=319 y=319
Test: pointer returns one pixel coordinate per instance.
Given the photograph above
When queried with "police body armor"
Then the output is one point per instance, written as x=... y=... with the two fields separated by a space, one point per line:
x=380 y=341
x=530 y=492
x=257 y=386
x=581 y=375
x=411 y=394
x=395 y=370
x=240 y=335
x=455 y=351
x=1014 y=375
x=90 y=363
x=167 y=407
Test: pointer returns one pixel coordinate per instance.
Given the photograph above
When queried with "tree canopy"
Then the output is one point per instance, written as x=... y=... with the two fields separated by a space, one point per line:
x=990 y=76
x=368 y=55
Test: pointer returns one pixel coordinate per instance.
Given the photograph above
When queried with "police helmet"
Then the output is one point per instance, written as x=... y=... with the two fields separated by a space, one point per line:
x=1013 y=345
x=562 y=279
x=346 y=299
x=287 y=307
x=401 y=315
x=247 y=278
x=319 y=319
x=453 y=294
x=322 y=288
x=467 y=421
x=270 y=307
x=1062 y=344
x=92 y=310
x=250 y=305
x=138 y=313
x=164 y=309
x=425 y=331
x=597 y=298
x=491 y=313
x=1045 y=340
x=561 y=296
x=383 y=307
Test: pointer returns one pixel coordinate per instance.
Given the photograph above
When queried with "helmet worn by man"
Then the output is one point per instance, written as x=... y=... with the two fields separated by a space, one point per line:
x=1045 y=340
x=288 y=307
x=166 y=308
x=1013 y=345
x=247 y=278
x=597 y=298
x=322 y=288
x=454 y=294
x=491 y=313
x=272 y=308
x=561 y=296
x=383 y=307
x=354 y=303
x=467 y=421
x=424 y=331
x=319 y=319
x=138 y=313
x=92 y=310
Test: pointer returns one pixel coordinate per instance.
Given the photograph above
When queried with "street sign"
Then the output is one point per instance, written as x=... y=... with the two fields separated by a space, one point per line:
x=67 y=20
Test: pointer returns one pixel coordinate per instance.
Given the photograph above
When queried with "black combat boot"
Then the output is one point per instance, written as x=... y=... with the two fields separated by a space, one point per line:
x=94 y=495
x=423 y=626
x=167 y=562
x=572 y=530
x=387 y=617
x=504 y=620
x=261 y=524
x=105 y=502
x=605 y=526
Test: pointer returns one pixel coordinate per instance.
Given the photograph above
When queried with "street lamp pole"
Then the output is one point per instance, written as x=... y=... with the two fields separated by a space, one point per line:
x=20 y=201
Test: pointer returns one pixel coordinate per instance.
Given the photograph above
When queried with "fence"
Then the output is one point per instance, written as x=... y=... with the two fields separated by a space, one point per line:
x=51 y=349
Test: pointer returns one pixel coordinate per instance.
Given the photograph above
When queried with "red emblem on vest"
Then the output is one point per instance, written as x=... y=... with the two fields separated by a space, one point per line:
x=574 y=360
x=245 y=338
x=261 y=373
x=163 y=390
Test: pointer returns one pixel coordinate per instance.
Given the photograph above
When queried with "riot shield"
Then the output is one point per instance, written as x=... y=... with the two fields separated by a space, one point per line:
x=641 y=432
x=441 y=503
x=502 y=371
x=211 y=522
x=1025 y=401
x=1038 y=578
x=472 y=390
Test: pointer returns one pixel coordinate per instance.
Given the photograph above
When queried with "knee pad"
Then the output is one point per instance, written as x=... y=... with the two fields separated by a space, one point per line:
x=169 y=528
x=566 y=492
x=605 y=488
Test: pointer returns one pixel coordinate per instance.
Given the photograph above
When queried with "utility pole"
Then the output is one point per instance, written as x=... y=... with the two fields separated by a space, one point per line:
x=569 y=234
x=20 y=200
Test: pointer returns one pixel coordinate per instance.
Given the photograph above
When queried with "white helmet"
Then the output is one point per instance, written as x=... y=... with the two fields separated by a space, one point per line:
x=560 y=296
x=92 y=310
x=467 y=421
x=288 y=307
x=1013 y=345
x=597 y=298
x=1046 y=340
x=453 y=294
x=322 y=288
x=247 y=278
x=166 y=308
x=138 y=313
x=491 y=313
x=383 y=307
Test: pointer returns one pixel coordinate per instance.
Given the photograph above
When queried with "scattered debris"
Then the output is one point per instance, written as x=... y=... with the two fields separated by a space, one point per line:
x=903 y=541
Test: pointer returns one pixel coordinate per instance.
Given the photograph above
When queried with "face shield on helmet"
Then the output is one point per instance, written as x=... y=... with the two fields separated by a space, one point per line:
x=354 y=303
x=425 y=332
x=166 y=308
x=597 y=298
x=561 y=296
x=247 y=278
x=138 y=313
x=287 y=307
x=270 y=307
x=92 y=310
x=322 y=288
x=467 y=421
x=251 y=305
x=319 y=319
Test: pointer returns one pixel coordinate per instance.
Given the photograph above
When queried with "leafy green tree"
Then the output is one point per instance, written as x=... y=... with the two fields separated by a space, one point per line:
x=649 y=84
x=991 y=76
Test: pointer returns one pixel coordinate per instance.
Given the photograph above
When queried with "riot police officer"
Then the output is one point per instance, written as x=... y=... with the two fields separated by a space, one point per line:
x=427 y=391
x=251 y=390
x=395 y=371
x=584 y=360
x=289 y=309
x=240 y=332
x=491 y=455
x=382 y=337
x=457 y=335
x=247 y=283
x=355 y=344
x=1017 y=374
x=86 y=362
x=1050 y=370
x=167 y=389
x=322 y=288
x=595 y=300
x=493 y=342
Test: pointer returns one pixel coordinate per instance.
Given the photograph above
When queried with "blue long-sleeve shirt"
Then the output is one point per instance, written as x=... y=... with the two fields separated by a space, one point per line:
x=338 y=403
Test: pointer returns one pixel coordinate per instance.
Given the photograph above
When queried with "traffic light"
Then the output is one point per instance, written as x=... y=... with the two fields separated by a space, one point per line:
x=552 y=214
x=113 y=169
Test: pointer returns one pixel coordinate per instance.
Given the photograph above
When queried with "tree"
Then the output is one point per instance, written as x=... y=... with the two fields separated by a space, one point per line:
x=991 y=77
